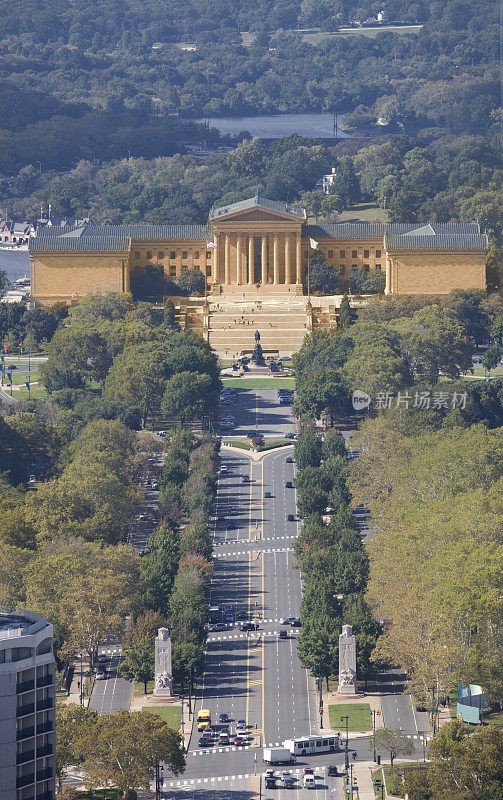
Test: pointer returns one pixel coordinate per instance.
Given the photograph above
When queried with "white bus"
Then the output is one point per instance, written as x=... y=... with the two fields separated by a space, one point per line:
x=309 y=745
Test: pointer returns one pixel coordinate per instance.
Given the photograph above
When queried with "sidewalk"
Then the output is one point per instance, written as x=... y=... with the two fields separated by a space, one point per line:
x=74 y=693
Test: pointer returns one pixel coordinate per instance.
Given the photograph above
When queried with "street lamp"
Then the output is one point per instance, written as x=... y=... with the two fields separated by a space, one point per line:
x=346 y=754
x=374 y=712
x=433 y=708
x=424 y=743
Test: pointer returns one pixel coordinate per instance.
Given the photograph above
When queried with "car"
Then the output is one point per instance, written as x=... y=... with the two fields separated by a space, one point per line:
x=309 y=782
x=286 y=620
x=241 y=723
x=241 y=732
x=245 y=479
x=267 y=494
x=333 y=771
x=269 y=773
x=102 y=659
x=248 y=626
x=289 y=436
x=101 y=676
x=229 y=616
x=289 y=485
x=223 y=717
x=308 y=771
x=217 y=626
x=239 y=741
x=224 y=469
x=291 y=517
x=289 y=460
x=285 y=775
x=283 y=634
x=241 y=615
x=223 y=739
x=295 y=623
x=286 y=401
x=205 y=741
x=270 y=782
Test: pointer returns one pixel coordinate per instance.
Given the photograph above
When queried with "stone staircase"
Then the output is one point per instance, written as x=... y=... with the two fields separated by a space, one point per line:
x=229 y=326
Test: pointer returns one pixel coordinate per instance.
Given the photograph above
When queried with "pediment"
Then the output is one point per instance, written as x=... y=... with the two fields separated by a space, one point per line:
x=257 y=215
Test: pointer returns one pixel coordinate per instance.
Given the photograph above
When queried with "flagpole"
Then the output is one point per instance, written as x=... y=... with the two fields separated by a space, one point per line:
x=308 y=275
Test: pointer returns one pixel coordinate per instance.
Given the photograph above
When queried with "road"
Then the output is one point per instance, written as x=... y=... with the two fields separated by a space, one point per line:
x=114 y=693
x=259 y=410
x=256 y=676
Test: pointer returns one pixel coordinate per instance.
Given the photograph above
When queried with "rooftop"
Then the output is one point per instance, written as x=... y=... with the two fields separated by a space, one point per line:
x=15 y=623
x=257 y=201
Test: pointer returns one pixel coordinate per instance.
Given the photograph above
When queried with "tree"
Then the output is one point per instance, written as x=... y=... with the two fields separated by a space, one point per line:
x=71 y=720
x=138 y=376
x=323 y=277
x=334 y=444
x=375 y=364
x=3 y=281
x=322 y=392
x=466 y=765
x=308 y=448
x=393 y=742
x=191 y=281
x=139 y=660
x=148 y=282
x=169 y=314
x=345 y=314
x=122 y=749
x=312 y=491
x=159 y=567
x=74 y=358
x=188 y=396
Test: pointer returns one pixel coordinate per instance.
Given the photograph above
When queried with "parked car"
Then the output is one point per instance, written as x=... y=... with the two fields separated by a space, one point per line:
x=291 y=517
x=289 y=485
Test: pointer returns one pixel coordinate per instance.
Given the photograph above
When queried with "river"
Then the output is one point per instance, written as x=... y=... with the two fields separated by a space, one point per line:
x=279 y=125
x=15 y=263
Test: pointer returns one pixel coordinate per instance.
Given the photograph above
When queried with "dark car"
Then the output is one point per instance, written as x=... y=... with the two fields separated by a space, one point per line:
x=286 y=400
x=239 y=741
x=217 y=626
x=283 y=635
x=289 y=436
x=289 y=485
x=332 y=771
x=291 y=518
x=206 y=741
x=245 y=479
x=248 y=626
x=267 y=494
x=289 y=460
x=270 y=783
x=295 y=623
x=223 y=718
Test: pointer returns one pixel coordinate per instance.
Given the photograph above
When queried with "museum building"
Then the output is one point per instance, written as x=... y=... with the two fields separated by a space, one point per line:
x=256 y=247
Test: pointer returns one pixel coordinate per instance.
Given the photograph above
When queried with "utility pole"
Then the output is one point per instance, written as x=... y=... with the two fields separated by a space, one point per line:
x=433 y=709
x=374 y=712
x=346 y=753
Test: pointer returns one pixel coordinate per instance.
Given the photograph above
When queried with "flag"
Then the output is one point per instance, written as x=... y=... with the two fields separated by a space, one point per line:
x=27 y=384
x=314 y=244
x=211 y=245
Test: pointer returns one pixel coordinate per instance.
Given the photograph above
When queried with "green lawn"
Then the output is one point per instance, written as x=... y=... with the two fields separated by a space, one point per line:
x=21 y=377
x=37 y=393
x=139 y=688
x=172 y=715
x=259 y=383
x=358 y=713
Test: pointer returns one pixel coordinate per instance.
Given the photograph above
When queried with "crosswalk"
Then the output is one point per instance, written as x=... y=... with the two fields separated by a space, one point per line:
x=253 y=541
x=247 y=552
x=188 y=783
x=210 y=750
x=253 y=634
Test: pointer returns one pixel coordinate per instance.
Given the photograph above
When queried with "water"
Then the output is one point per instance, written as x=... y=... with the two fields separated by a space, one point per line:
x=15 y=263
x=279 y=125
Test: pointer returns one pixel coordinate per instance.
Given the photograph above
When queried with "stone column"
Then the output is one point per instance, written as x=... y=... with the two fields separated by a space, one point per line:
x=163 y=669
x=276 y=259
x=298 y=260
x=239 y=259
x=288 y=264
x=227 y=260
x=388 y=275
x=215 y=259
x=251 y=260
x=263 y=260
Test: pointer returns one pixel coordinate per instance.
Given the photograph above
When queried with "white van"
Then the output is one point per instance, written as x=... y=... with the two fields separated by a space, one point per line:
x=309 y=782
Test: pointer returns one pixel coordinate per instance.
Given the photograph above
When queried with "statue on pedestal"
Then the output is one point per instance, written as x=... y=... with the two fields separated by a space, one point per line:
x=347 y=661
x=163 y=686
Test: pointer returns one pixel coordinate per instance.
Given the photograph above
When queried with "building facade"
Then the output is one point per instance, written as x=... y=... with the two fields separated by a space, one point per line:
x=27 y=707
x=257 y=243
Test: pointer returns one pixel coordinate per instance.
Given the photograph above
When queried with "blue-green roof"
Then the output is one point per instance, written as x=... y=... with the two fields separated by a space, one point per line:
x=258 y=202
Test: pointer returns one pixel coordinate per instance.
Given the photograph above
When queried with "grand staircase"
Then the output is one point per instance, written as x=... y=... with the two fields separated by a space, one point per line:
x=229 y=325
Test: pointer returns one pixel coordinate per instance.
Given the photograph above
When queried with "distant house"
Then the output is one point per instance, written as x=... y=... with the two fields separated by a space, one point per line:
x=187 y=47
x=326 y=181
x=16 y=233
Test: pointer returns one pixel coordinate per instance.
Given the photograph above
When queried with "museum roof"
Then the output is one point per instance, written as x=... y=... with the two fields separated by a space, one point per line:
x=436 y=241
x=111 y=238
x=377 y=230
x=257 y=201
